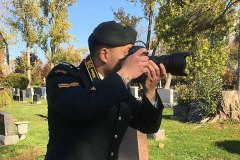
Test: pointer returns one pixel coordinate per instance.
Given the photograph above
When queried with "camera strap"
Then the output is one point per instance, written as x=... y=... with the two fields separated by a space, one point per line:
x=92 y=72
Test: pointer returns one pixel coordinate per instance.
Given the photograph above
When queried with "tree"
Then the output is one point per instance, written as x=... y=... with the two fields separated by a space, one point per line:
x=1 y=64
x=26 y=19
x=6 y=32
x=125 y=19
x=70 y=55
x=148 y=9
x=55 y=32
x=200 y=27
x=36 y=67
x=237 y=42
x=181 y=23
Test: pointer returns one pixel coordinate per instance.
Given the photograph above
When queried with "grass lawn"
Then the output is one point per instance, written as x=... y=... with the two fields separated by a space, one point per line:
x=184 y=141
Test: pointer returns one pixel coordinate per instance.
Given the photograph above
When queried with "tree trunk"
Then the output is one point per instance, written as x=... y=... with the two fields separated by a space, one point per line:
x=150 y=17
x=238 y=41
x=28 y=65
x=7 y=55
x=6 y=48
x=155 y=48
x=168 y=81
x=230 y=107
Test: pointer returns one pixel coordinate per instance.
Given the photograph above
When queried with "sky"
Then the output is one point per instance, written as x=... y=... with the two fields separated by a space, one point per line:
x=84 y=17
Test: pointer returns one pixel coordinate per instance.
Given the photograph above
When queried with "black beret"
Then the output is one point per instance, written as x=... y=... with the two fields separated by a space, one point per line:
x=114 y=34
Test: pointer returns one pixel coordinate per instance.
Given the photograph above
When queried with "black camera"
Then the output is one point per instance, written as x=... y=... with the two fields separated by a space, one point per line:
x=174 y=63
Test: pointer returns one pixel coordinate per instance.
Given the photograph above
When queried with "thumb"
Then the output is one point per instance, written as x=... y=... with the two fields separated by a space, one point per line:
x=140 y=51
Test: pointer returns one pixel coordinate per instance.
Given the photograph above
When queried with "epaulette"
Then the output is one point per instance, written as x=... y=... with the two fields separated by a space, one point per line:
x=64 y=68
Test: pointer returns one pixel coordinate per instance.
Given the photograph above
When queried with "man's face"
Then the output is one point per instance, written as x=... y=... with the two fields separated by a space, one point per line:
x=114 y=57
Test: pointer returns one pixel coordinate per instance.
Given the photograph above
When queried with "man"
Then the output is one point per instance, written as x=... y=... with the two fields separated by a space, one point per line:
x=90 y=107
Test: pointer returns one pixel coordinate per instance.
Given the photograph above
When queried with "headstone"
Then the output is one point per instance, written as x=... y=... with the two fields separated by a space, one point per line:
x=7 y=129
x=16 y=94
x=129 y=146
x=166 y=96
x=13 y=91
x=29 y=92
x=134 y=91
x=16 y=97
x=160 y=135
x=135 y=144
x=37 y=91
x=23 y=95
x=43 y=92
x=180 y=112
x=40 y=91
x=17 y=91
x=36 y=99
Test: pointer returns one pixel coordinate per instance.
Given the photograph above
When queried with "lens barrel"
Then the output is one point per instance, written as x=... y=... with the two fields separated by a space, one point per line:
x=174 y=63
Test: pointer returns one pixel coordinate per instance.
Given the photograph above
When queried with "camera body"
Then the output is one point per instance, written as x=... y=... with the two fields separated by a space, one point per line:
x=174 y=63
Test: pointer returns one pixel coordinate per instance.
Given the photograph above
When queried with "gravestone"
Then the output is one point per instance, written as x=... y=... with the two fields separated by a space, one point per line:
x=134 y=145
x=29 y=92
x=7 y=135
x=16 y=95
x=134 y=91
x=43 y=92
x=36 y=99
x=13 y=91
x=166 y=96
x=22 y=95
x=40 y=91
x=160 y=135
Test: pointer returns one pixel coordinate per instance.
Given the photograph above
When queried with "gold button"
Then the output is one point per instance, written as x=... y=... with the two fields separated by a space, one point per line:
x=115 y=136
x=119 y=118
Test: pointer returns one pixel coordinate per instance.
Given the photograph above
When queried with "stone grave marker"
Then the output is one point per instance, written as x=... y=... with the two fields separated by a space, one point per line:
x=36 y=99
x=40 y=91
x=22 y=95
x=134 y=91
x=43 y=92
x=7 y=135
x=16 y=95
x=134 y=145
x=166 y=96
x=29 y=92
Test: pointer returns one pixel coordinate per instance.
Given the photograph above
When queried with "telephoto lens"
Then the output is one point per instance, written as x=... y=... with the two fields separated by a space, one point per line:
x=174 y=63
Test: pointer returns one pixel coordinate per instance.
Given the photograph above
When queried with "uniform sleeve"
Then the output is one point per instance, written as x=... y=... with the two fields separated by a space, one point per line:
x=73 y=101
x=147 y=118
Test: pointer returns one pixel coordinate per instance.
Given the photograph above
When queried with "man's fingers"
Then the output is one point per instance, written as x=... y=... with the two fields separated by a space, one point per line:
x=156 y=68
x=140 y=51
x=163 y=70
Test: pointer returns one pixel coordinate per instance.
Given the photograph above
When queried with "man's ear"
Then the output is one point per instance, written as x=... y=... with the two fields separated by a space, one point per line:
x=103 y=54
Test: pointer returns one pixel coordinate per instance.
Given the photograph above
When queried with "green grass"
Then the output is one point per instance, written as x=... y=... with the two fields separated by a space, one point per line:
x=34 y=146
x=184 y=141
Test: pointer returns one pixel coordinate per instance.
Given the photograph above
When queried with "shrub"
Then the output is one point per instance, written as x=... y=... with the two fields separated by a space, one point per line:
x=5 y=97
x=209 y=93
x=17 y=80
x=186 y=94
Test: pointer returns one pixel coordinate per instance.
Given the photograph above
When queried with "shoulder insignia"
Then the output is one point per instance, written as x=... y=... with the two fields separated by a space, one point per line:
x=61 y=71
x=67 y=85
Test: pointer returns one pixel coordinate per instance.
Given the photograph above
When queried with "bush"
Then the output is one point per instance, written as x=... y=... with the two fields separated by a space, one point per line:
x=17 y=80
x=186 y=94
x=209 y=93
x=5 y=97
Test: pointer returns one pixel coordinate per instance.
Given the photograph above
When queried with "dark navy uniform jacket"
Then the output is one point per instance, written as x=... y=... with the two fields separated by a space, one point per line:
x=88 y=123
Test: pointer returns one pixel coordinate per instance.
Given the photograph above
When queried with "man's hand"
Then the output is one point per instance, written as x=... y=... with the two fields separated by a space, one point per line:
x=135 y=65
x=154 y=75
